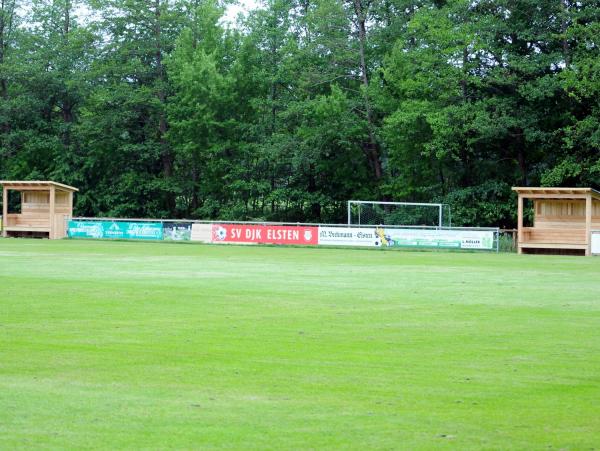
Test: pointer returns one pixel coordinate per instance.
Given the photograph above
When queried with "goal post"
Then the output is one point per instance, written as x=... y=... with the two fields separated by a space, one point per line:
x=362 y=212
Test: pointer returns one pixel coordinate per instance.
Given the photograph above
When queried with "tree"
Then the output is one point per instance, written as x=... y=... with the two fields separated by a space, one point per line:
x=157 y=109
x=130 y=81
x=200 y=110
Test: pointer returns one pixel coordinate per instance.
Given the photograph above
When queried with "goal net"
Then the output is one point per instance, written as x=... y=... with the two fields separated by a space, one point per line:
x=398 y=213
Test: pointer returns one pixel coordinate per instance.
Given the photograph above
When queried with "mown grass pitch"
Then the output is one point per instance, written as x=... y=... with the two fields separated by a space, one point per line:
x=150 y=345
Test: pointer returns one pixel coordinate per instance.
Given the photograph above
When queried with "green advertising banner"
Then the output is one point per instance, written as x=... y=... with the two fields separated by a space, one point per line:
x=116 y=230
x=449 y=239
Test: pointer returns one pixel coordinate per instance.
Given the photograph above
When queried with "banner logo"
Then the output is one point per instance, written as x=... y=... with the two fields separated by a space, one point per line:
x=220 y=233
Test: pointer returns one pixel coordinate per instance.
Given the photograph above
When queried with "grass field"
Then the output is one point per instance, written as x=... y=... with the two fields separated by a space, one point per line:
x=151 y=345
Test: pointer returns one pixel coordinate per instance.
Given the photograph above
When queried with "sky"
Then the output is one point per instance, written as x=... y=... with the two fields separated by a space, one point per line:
x=231 y=11
x=241 y=6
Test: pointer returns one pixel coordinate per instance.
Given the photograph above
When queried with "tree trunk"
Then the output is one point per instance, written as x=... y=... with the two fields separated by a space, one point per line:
x=67 y=20
x=2 y=47
x=166 y=155
x=564 y=26
x=315 y=207
x=371 y=148
x=272 y=189
x=463 y=81
x=442 y=178
x=67 y=106
x=7 y=12
x=522 y=165
x=195 y=177
x=519 y=141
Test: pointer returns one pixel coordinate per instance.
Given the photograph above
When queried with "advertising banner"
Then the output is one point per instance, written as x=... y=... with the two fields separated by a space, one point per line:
x=116 y=230
x=299 y=235
x=266 y=234
x=388 y=237
x=596 y=242
x=85 y=229
x=201 y=232
x=456 y=239
x=348 y=236
x=177 y=231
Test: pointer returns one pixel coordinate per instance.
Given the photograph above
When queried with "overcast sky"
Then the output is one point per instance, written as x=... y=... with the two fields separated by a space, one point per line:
x=243 y=7
x=231 y=12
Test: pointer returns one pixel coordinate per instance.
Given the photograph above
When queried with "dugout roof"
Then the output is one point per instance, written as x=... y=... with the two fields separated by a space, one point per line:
x=556 y=193
x=35 y=184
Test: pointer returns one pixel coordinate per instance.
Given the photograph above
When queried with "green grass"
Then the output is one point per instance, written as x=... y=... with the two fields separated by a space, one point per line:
x=144 y=345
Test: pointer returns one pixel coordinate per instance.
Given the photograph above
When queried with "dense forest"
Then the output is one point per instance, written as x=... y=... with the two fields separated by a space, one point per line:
x=159 y=108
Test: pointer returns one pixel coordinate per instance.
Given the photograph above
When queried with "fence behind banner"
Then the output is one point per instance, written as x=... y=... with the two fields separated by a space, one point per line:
x=304 y=234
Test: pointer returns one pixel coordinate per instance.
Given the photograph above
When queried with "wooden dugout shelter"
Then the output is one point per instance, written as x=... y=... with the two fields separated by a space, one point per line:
x=45 y=209
x=563 y=220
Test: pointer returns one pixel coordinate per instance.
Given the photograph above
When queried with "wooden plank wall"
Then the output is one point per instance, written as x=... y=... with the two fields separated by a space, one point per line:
x=35 y=210
x=561 y=214
x=559 y=223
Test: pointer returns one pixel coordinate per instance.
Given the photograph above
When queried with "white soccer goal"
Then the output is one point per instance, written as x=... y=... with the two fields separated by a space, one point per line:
x=362 y=212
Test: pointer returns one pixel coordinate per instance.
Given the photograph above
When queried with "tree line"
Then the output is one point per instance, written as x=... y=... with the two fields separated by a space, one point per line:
x=156 y=108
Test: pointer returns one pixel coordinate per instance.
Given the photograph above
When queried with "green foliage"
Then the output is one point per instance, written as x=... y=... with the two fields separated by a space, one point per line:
x=158 y=109
x=490 y=204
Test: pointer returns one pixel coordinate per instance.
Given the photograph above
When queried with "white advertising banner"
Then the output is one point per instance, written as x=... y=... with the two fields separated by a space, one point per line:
x=391 y=237
x=347 y=236
x=596 y=242
x=201 y=232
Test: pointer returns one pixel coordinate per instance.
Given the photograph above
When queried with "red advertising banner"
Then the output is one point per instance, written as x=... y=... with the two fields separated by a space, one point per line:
x=266 y=234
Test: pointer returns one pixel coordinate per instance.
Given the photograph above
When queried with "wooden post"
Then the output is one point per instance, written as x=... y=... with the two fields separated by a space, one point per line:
x=51 y=213
x=588 y=224
x=69 y=215
x=520 y=223
x=4 y=210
